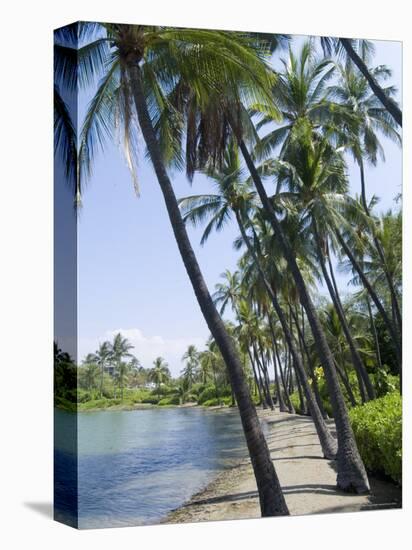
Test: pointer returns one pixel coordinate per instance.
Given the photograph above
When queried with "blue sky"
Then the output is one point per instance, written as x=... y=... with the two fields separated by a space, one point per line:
x=131 y=277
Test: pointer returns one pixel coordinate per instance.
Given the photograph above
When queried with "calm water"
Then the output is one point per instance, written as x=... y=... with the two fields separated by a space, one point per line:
x=136 y=466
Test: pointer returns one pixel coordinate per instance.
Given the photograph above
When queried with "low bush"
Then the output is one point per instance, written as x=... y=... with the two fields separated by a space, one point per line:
x=377 y=426
x=294 y=397
x=214 y=402
x=173 y=400
x=152 y=400
x=208 y=393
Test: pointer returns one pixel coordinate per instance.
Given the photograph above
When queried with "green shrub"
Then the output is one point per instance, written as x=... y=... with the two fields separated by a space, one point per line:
x=173 y=400
x=208 y=393
x=215 y=402
x=152 y=400
x=294 y=397
x=377 y=426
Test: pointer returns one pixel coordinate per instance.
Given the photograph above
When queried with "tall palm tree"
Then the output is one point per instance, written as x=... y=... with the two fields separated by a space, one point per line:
x=386 y=100
x=144 y=66
x=352 y=475
x=352 y=91
x=233 y=198
x=359 y=53
x=119 y=349
x=160 y=373
x=103 y=355
x=123 y=370
x=190 y=371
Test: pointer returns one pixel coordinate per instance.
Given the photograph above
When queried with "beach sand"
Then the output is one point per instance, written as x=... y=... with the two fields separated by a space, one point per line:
x=308 y=480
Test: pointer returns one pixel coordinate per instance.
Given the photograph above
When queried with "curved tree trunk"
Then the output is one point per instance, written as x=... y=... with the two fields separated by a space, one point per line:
x=376 y=301
x=381 y=254
x=272 y=501
x=362 y=376
x=257 y=383
x=327 y=442
x=386 y=101
x=375 y=334
x=282 y=406
x=351 y=470
x=304 y=349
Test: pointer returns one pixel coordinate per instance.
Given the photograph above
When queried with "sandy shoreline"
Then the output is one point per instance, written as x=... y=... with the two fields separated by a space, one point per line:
x=308 y=480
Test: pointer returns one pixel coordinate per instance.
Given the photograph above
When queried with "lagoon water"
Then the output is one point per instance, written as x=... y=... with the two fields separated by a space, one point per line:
x=136 y=466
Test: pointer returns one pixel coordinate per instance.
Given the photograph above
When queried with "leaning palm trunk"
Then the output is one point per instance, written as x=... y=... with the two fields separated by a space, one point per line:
x=289 y=404
x=376 y=301
x=381 y=254
x=326 y=440
x=351 y=470
x=265 y=402
x=282 y=406
x=375 y=334
x=362 y=376
x=386 y=101
x=304 y=349
x=272 y=501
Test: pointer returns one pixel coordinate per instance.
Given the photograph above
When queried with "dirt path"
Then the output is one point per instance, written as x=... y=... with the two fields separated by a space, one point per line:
x=307 y=479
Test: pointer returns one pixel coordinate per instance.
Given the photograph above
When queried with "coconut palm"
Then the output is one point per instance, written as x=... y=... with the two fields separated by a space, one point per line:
x=234 y=199
x=190 y=371
x=121 y=376
x=160 y=373
x=103 y=355
x=89 y=372
x=352 y=474
x=352 y=91
x=146 y=65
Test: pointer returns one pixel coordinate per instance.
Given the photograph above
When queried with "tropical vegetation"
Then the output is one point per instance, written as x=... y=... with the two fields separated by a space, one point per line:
x=276 y=144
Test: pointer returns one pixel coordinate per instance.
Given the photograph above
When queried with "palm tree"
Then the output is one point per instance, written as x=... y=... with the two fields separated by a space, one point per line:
x=123 y=370
x=388 y=102
x=352 y=473
x=352 y=91
x=359 y=52
x=137 y=77
x=103 y=355
x=234 y=198
x=89 y=372
x=159 y=374
x=189 y=373
x=65 y=77
x=119 y=349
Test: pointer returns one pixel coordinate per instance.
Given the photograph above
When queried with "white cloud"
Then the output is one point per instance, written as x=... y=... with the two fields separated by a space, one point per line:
x=147 y=348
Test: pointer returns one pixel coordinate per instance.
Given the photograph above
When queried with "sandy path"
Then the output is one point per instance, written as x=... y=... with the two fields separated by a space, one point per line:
x=307 y=479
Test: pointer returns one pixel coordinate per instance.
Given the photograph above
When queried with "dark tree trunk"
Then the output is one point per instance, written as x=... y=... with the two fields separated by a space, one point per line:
x=282 y=406
x=326 y=440
x=289 y=404
x=376 y=301
x=386 y=101
x=345 y=382
x=272 y=501
x=375 y=334
x=302 y=403
x=397 y=312
x=266 y=377
x=351 y=470
x=304 y=349
x=257 y=384
x=266 y=391
x=362 y=375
